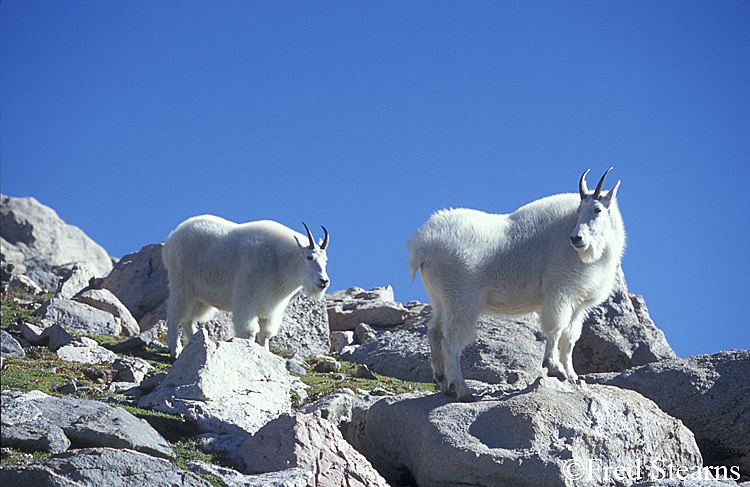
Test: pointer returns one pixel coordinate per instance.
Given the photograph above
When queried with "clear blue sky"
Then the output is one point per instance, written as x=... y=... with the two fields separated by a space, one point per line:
x=366 y=117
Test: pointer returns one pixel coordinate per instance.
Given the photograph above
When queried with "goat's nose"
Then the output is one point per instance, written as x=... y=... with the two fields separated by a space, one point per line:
x=575 y=239
x=324 y=281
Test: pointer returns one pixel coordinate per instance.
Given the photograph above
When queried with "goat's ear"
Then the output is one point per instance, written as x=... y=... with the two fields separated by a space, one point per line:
x=299 y=243
x=611 y=194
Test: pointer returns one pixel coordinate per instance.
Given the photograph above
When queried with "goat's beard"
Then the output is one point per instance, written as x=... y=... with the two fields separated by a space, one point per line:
x=591 y=253
x=314 y=292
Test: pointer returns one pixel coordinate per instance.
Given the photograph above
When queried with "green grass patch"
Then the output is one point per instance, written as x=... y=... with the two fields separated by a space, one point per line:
x=322 y=384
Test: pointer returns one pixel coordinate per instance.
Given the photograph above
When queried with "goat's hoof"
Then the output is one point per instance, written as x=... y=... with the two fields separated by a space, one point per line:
x=558 y=372
x=467 y=397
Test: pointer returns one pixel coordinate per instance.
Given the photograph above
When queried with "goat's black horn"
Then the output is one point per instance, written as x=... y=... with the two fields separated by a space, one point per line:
x=325 y=239
x=598 y=191
x=310 y=237
x=582 y=188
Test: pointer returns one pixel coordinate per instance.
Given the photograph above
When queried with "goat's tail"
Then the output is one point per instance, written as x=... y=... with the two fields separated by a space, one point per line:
x=417 y=257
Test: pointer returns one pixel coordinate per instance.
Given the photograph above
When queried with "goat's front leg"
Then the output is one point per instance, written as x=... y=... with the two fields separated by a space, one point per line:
x=245 y=319
x=554 y=318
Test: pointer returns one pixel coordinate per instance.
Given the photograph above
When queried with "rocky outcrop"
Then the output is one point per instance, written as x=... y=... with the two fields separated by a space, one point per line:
x=232 y=387
x=139 y=280
x=376 y=307
x=709 y=393
x=537 y=436
x=311 y=443
x=99 y=467
x=35 y=238
x=35 y=421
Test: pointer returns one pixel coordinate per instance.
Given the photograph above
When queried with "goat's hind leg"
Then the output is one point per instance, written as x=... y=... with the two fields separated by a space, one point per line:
x=458 y=331
x=437 y=358
x=181 y=315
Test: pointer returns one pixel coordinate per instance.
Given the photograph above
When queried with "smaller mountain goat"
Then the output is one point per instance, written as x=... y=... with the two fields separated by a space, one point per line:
x=251 y=269
x=557 y=255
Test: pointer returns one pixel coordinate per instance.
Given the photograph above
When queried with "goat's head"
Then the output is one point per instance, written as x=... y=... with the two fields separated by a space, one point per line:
x=314 y=278
x=595 y=226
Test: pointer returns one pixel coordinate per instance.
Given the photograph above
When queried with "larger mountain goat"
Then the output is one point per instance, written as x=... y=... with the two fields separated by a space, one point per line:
x=251 y=269
x=557 y=255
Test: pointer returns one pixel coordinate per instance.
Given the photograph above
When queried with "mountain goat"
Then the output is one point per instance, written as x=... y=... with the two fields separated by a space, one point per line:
x=251 y=269
x=557 y=255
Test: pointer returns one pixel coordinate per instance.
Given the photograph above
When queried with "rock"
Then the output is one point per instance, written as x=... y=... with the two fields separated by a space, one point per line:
x=85 y=423
x=75 y=280
x=537 y=436
x=9 y=346
x=230 y=387
x=339 y=408
x=505 y=351
x=341 y=339
x=46 y=280
x=87 y=351
x=311 y=443
x=346 y=309
x=291 y=477
x=34 y=235
x=99 y=467
x=363 y=332
x=131 y=369
x=709 y=393
x=364 y=372
x=25 y=284
x=79 y=318
x=69 y=388
x=304 y=328
x=144 y=339
x=619 y=334
x=104 y=300
x=327 y=365
x=139 y=280
x=56 y=337
x=36 y=436
x=32 y=332
x=148 y=385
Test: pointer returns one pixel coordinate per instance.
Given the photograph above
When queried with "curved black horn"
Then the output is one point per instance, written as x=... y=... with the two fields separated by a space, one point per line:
x=582 y=188
x=309 y=236
x=325 y=239
x=598 y=191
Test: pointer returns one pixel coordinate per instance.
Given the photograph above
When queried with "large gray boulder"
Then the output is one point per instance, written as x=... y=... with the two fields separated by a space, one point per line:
x=9 y=345
x=376 y=307
x=232 y=387
x=709 y=393
x=311 y=443
x=104 y=300
x=96 y=467
x=79 y=318
x=618 y=335
x=26 y=421
x=539 y=436
x=35 y=237
x=139 y=280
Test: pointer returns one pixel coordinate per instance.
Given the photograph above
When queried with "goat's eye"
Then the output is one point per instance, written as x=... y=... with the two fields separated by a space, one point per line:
x=597 y=210
x=309 y=257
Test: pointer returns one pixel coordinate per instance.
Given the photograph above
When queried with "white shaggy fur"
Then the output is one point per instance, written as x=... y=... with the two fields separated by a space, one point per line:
x=557 y=255
x=251 y=269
